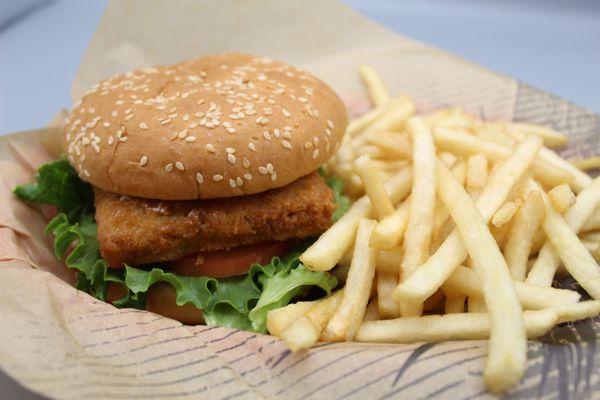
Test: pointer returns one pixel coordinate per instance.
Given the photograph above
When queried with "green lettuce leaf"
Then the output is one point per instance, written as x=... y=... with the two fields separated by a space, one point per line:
x=237 y=302
x=57 y=184
x=342 y=202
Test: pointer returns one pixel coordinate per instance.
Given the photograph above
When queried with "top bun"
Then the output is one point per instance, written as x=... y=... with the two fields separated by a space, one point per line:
x=217 y=126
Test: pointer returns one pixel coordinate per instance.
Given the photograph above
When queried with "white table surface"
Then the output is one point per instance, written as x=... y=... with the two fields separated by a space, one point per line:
x=551 y=44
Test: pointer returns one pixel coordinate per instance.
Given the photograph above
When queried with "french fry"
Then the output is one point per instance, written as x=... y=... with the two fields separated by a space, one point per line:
x=428 y=277
x=465 y=281
x=417 y=236
x=391 y=165
x=543 y=270
x=580 y=179
x=379 y=92
x=476 y=305
x=441 y=215
x=521 y=234
x=381 y=203
x=358 y=125
x=587 y=163
x=389 y=260
x=576 y=258
x=495 y=132
x=372 y=312
x=386 y=283
x=477 y=172
x=464 y=144
x=304 y=332
x=388 y=232
x=507 y=354
x=561 y=197
x=447 y=158
x=441 y=328
x=551 y=137
x=347 y=318
x=593 y=222
x=280 y=318
x=325 y=253
x=392 y=145
x=455 y=304
x=505 y=213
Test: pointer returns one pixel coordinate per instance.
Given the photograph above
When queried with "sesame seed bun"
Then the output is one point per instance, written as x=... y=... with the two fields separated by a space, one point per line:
x=217 y=126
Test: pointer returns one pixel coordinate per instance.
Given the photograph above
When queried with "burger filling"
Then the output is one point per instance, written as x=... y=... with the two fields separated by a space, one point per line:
x=224 y=262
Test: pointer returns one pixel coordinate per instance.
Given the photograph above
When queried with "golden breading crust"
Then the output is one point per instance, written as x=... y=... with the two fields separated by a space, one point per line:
x=140 y=231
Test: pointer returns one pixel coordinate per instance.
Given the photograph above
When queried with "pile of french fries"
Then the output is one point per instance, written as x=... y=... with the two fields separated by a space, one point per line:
x=457 y=231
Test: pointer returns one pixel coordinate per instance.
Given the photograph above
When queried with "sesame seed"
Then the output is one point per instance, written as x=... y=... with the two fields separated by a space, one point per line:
x=179 y=165
x=231 y=158
x=230 y=130
x=230 y=150
x=232 y=183
x=328 y=131
x=315 y=154
x=248 y=177
x=239 y=181
x=143 y=161
x=199 y=114
x=199 y=177
x=302 y=99
x=190 y=139
x=165 y=121
x=91 y=110
x=169 y=167
x=251 y=146
x=287 y=134
x=330 y=124
x=270 y=168
x=273 y=176
x=286 y=144
x=287 y=128
x=316 y=141
x=246 y=163
x=128 y=111
x=123 y=139
x=143 y=125
x=262 y=170
x=106 y=124
x=217 y=178
x=210 y=148
x=110 y=140
x=267 y=135
x=277 y=132
x=182 y=134
x=286 y=112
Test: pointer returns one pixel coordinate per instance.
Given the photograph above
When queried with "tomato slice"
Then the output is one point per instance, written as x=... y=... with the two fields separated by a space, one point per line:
x=232 y=262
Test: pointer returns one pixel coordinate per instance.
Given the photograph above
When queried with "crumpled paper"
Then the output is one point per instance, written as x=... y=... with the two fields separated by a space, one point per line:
x=63 y=343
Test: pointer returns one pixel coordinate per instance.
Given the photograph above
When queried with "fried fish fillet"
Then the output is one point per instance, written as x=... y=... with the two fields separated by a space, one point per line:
x=141 y=231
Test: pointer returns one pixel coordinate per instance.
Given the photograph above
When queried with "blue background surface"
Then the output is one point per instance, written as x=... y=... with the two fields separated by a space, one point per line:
x=551 y=44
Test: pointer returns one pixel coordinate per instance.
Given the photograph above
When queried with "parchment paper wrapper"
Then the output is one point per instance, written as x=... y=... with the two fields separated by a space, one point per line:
x=65 y=344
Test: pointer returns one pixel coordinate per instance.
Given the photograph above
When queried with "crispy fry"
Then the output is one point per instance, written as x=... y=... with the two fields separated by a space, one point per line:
x=506 y=360
x=587 y=163
x=576 y=258
x=455 y=304
x=464 y=144
x=580 y=179
x=521 y=234
x=465 y=281
x=543 y=270
x=441 y=225
x=379 y=92
x=432 y=274
x=417 y=236
x=394 y=145
x=358 y=125
x=347 y=318
x=551 y=137
x=386 y=283
x=380 y=201
x=388 y=232
x=561 y=197
x=439 y=328
x=505 y=213
x=305 y=331
x=331 y=245
x=280 y=318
